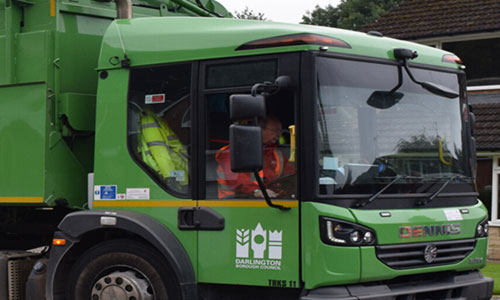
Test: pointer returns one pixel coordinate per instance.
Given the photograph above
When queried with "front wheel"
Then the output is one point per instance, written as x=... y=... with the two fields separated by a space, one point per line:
x=122 y=270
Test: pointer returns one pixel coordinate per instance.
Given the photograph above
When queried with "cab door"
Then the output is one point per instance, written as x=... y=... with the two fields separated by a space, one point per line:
x=258 y=245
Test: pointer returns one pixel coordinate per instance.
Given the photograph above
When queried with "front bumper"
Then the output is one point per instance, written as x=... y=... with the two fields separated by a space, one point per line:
x=443 y=286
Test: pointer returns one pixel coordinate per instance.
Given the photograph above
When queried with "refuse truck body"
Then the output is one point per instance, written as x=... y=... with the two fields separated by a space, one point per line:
x=113 y=183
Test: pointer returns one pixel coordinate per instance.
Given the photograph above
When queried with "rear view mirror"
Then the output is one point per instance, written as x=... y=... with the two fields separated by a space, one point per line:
x=473 y=157
x=246 y=148
x=472 y=120
x=384 y=99
x=246 y=106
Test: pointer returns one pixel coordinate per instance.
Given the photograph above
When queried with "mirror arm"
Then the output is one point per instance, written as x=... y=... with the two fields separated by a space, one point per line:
x=400 y=80
x=405 y=64
x=266 y=87
x=266 y=196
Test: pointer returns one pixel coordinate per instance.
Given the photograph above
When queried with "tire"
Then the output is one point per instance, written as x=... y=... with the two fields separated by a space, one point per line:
x=122 y=270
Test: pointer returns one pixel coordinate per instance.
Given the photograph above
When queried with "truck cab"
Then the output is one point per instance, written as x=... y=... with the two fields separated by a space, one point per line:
x=379 y=201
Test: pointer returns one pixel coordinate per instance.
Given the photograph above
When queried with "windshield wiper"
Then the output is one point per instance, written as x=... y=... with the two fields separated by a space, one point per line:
x=436 y=193
x=375 y=196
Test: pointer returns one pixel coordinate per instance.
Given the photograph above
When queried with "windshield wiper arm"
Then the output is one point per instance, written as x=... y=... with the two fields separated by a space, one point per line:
x=436 y=193
x=375 y=196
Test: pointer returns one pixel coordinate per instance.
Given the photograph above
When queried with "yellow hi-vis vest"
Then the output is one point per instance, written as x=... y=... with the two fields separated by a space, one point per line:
x=161 y=150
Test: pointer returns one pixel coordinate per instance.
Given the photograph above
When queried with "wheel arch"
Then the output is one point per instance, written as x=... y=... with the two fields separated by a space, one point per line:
x=82 y=230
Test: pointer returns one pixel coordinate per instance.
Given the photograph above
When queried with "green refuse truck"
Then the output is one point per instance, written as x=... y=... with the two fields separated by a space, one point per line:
x=125 y=129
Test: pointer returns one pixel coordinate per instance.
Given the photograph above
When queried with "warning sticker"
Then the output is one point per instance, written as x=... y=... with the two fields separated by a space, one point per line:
x=178 y=174
x=155 y=98
x=105 y=192
x=453 y=215
x=138 y=194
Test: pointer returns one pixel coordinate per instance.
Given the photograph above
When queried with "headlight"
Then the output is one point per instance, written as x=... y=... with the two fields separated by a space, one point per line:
x=342 y=233
x=482 y=228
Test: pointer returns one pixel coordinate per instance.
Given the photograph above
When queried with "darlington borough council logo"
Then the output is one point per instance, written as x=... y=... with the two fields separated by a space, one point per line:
x=258 y=248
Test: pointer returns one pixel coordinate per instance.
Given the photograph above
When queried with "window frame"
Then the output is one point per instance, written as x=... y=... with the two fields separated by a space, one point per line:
x=287 y=64
x=311 y=178
x=133 y=154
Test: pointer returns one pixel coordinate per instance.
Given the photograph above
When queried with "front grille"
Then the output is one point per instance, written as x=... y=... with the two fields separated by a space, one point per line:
x=404 y=256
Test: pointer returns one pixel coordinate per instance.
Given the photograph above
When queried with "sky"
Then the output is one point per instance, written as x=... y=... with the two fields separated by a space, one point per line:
x=289 y=11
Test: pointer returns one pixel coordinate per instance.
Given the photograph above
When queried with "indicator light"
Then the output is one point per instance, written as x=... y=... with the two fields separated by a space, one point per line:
x=295 y=40
x=451 y=58
x=58 y=242
x=331 y=235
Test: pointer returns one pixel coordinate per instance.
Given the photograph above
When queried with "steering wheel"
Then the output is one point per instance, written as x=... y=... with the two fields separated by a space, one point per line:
x=284 y=185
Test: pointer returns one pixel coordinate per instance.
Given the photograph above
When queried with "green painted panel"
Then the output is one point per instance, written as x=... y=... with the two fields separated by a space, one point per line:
x=31 y=63
x=2 y=15
x=65 y=176
x=3 y=62
x=22 y=140
x=79 y=109
x=79 y=40
x=37 y=17
x=161 y=40
x=331 y=265
x=322 y=264
x=258 y=246
x=387 y=228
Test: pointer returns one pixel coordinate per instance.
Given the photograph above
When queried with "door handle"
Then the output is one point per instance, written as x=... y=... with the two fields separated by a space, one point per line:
x=199 y=218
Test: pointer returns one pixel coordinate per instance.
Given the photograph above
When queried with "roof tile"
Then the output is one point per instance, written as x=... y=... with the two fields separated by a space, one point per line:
x=414 y=19
x=487 y=128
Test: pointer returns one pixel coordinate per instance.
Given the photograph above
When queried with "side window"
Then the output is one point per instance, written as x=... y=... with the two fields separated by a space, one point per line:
x=223 y=80
x=159 y=124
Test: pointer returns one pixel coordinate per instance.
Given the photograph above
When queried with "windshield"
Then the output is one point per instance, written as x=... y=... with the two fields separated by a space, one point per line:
x=415 y=138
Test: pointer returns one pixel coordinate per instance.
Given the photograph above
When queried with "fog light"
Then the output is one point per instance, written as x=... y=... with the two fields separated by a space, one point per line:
x=368 y=238
x=355 y=237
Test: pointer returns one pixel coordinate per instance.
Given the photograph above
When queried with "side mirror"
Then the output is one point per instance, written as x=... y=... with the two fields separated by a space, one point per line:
x=439 y=90
x=383 y=99
x=404 y=55
x=472 y=122
x=245 y=148
x=246 y=106
x=473 y=156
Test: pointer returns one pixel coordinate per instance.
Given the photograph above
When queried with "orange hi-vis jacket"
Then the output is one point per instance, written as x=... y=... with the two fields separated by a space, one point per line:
x=275 y=165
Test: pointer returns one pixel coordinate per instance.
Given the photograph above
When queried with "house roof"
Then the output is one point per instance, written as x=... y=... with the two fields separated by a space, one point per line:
x=416 y=19
x=487 y=127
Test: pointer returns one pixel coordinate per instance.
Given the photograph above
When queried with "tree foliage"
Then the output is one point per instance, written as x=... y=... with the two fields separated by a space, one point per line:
x=349 y=14
x=249 y=14
x=328 y=16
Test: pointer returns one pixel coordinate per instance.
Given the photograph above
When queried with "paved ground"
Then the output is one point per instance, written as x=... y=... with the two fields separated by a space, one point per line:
x=495 y=298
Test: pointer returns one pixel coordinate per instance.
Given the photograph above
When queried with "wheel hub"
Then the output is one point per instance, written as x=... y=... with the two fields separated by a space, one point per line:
x=128 y=285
